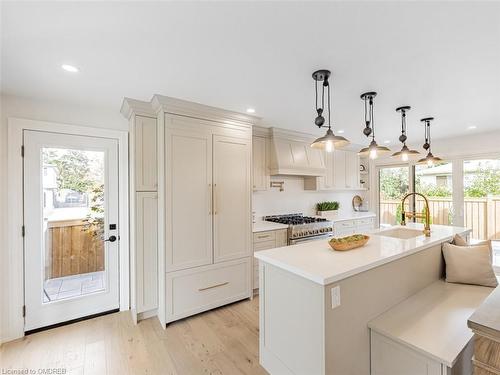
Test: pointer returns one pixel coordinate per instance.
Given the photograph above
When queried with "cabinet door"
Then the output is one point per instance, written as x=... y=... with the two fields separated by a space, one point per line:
x=146 y=248
x=326 y=182
x=232 y=197
x=146 y=164
x=352 y=170
x=259 y=159
x=339 y=176
x=188 y=199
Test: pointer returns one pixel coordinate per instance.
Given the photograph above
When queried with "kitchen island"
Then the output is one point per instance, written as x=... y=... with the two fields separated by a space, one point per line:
x=315 y=303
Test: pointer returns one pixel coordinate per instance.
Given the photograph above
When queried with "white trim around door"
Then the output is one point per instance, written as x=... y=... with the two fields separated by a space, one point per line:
x=14 y=290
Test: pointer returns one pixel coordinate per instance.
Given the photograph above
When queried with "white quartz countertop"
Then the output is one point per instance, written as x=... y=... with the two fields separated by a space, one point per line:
x=317 y=262
x=262 y=226
x=434 y=321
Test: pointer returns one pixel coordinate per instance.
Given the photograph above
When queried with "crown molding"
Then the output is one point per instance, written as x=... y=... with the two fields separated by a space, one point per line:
x=292 y=135
x=136 y=107
x=261 y=131
x=175 y=106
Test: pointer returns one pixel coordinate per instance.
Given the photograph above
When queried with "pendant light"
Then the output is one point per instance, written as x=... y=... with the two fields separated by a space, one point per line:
x=329 y=141
x=430 y=159
x=373 y=150
x=405 y=154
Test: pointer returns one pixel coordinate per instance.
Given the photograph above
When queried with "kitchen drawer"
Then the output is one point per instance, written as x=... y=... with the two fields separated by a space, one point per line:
x=258 y=246
x=203 y=288
x=367 y=221
x=344 y=232
x=264 y=236
x=344 y=224
x=363 y=228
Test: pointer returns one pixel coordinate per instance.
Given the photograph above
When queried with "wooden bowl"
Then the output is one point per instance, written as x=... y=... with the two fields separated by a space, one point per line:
x=344 y=246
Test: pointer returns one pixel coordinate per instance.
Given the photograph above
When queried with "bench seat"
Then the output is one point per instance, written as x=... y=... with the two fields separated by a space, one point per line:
x=431 y=324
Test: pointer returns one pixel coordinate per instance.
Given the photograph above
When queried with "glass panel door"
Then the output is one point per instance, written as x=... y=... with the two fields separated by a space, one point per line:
x=394 y=183
x=435 y=182
x=71 y=221
x=482 y=201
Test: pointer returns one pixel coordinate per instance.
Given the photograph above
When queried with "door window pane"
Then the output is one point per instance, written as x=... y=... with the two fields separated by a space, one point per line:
x=73 y=222
x=435 y=182
x=393 y=185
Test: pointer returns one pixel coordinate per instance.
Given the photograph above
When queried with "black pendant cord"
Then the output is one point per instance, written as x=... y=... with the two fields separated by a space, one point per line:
x=372 y=119
x=329 y=109
x=316 y=83
x=403 y=126
x=428 y=125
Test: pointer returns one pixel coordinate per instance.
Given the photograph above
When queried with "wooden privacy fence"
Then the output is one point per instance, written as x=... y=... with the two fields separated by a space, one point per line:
x=482 y=215
x=70 y=249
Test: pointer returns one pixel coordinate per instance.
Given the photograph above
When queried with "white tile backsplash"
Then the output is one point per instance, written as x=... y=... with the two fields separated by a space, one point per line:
x=295 y=199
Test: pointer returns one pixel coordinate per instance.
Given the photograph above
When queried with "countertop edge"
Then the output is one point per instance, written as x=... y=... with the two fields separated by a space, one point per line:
x=329 y=280
x=479 y=320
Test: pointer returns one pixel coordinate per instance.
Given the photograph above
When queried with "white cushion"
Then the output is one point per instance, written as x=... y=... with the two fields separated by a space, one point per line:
x=469 y=265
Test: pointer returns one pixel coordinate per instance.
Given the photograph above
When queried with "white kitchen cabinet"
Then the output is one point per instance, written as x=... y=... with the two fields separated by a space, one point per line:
x=348 y=227
x=146 y=251
x=339 y=169
x=231 y=202
x=143 y=172
x=199 y=289
x=260 y=175
x=342 y=172
x=264 y=241
x=189 y=199
x=206 y=157
x=351 y=170
x=146 y=164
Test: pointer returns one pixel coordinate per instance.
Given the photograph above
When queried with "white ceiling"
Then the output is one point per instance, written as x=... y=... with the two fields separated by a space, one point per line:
x=443 y=59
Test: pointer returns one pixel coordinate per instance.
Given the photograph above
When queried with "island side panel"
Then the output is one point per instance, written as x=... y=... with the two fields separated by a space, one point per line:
x=291 y=317
x=367 y=295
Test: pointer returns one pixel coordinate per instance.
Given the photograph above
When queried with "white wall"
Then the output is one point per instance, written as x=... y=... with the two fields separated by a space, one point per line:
x=295 y=199
x=11 y=106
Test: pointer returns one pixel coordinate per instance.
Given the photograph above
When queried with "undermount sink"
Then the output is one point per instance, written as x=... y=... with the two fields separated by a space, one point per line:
x=402 y=233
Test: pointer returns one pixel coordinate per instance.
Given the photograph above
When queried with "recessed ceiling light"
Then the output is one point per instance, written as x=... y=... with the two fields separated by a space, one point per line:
x=70 y=68
x=250 y=110
x=341 y=131
x=387 y=141
x=472 y=127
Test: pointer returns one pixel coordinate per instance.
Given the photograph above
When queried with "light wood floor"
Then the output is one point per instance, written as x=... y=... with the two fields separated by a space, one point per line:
x=221 y=341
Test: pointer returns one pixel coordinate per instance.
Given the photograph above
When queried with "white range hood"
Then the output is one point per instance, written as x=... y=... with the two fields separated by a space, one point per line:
x=291 y=154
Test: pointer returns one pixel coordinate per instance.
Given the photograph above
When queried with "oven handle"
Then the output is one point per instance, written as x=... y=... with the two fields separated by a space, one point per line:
x=294 y=241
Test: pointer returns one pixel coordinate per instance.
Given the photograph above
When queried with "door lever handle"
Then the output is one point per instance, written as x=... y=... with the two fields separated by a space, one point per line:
x=111 y=239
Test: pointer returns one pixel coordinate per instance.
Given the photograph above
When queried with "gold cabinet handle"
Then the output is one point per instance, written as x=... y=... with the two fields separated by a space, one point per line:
x=213 y=286
x=215 y=199
x=265 y=236
x=210 y=199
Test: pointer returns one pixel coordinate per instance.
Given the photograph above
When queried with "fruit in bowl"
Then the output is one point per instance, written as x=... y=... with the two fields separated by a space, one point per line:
x=349 y=242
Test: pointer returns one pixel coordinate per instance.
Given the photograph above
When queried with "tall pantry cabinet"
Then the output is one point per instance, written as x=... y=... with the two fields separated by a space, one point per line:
x=190 y=216
x=205 y=191
x=143 y=194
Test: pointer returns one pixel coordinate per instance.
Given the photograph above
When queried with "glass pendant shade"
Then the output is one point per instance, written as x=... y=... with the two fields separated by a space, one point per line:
x=373 y=150
x=329 y=141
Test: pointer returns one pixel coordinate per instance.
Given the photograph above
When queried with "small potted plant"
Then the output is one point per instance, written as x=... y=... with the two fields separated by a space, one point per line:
x=326 y=209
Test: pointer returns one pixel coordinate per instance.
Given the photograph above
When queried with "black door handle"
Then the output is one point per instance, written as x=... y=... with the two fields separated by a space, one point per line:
x=111 y=239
